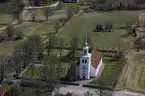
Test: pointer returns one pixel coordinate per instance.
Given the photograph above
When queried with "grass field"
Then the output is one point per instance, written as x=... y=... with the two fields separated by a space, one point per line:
x=5 y=18
x=36 y=28
x=28 y=30
x=135 y=78
x=64 y=6
x=56 y=13
x=79 y=24
x=7 y=47
x=6 y=12
x=6 y=7
x=59 y=12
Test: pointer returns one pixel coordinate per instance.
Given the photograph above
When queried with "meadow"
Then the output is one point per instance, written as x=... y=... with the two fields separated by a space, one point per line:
x=86 y=22
x=27 y=29
x=135 y=79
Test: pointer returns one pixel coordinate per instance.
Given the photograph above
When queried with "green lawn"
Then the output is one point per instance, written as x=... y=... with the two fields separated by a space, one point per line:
x=36 y=28
x=109 y=68
x=64 y=6
x=28 y=30
x=7 y=47
x=6 y=7
x=79 y=24
x=40 y=13
x=5 y=18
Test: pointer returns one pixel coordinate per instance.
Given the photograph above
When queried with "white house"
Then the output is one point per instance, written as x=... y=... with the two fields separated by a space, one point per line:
x=90 y=63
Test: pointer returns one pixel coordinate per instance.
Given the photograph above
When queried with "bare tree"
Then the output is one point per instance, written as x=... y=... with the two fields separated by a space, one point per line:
x=17 y=58
x=10 y=31
x=49 y=69
x=69 y=13
x=3 y=63
x=60 y=45
x=49 y=74
x=15 y=90
x=47 y=12
x=16 y=14
x=74 y=44
x=30 y=49
x=56 y=27
x=101 y=82
x=33 y=15
x=18 y=7
x=50 y=44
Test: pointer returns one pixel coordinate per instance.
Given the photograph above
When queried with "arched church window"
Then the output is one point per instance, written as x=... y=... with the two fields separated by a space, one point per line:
x=85 y=51
x=85 y=61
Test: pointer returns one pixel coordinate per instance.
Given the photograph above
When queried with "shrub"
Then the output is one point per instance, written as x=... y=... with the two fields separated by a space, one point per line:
x=2 y=38
x=10 y=31
x=18 y=35
x=108 y=26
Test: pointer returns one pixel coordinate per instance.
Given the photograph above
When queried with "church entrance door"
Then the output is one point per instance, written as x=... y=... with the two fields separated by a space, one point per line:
x=83 y=77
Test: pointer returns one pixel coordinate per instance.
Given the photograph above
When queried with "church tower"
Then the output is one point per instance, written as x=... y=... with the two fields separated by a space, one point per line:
x=85 y=62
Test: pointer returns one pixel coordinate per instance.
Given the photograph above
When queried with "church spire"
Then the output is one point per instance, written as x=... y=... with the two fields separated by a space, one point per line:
x=86 y=42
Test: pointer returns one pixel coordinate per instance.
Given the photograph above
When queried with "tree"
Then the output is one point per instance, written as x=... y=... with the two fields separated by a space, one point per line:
x=49 y=69
x=47 y=12
x=33 y=15
x=30 y=49
x=10 y=31
x=60 y=44
x=18 y=7
x=74 y=44
x=16 y=14
x=15 y=90
x=50 y=44
x=49 y=74
x=108 y=26
x=102 y=81
x=56 y=27
x=69 y=13
x=19 y=35
x=3 y=63
x=17 y=58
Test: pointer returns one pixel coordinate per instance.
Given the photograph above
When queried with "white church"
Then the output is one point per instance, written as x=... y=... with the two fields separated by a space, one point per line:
x=90 y=63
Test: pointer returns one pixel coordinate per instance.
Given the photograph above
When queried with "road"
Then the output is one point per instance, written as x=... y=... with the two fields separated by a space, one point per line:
x=126 y=93
x=40 y=7
x=81 y=90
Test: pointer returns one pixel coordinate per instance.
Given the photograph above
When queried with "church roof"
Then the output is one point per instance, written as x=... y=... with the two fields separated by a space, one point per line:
x=95 y=57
